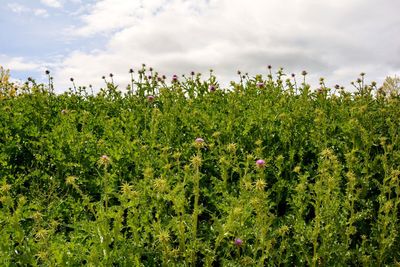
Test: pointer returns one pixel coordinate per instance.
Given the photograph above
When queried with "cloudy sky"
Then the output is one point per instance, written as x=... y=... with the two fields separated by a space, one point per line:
x=335 y=39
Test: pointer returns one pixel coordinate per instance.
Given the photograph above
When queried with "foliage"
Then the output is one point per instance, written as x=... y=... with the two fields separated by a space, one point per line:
x=266 y=173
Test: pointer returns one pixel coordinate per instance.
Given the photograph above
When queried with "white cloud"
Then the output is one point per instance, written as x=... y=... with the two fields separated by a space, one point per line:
x=52 y=3
x=40 y=12
x=21 y=9
x=336 y=39
x=19 y=64
x=17 y=8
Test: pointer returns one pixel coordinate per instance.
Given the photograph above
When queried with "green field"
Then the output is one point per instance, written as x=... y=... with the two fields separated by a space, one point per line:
x=269 y=172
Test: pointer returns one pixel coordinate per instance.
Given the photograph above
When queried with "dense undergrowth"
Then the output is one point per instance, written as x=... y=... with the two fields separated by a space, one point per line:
x=187 y=174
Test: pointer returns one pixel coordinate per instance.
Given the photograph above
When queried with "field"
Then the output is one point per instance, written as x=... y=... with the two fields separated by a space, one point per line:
x=185 y=173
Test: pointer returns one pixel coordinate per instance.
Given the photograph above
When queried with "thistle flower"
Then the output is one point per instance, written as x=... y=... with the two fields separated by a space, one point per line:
x=211 y=88
x=238 y=242
x=260 y=84
x=192 y=73
x=304 y=73
x=174 y=78
x=260 y=163
x=199 y=140
x=150 y=98
x=104 y=160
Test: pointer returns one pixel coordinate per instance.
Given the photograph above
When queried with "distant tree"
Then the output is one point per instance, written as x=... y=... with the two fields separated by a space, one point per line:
x=4 y=77
x=390 y=87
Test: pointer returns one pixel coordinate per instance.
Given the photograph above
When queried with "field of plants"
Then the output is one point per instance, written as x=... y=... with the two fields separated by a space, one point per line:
x=180 y=172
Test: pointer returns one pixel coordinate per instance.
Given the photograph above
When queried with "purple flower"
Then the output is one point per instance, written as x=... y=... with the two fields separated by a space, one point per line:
x=174 y=78
x=211 y=88
x=150 y=98
x=260 y=84
x=238 y=242
x=260 y=163
x=199 y=140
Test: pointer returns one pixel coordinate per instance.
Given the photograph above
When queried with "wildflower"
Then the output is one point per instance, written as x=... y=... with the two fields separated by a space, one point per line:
x=199 y=140
x=211 y=88
x=130 y=70
x=192 y=73
x=47 y=72
x=150 y=69
x=150 y=98
x=304 y=73
x=293 y=75
x=260 y=84
x=71 y=79
x=238 y=242
x=104 y=160
x=269 y=67
x=260 y=163
x=174 y=78
x=111 y=75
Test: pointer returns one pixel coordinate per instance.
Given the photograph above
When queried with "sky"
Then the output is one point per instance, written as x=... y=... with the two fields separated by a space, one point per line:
x=334 y=39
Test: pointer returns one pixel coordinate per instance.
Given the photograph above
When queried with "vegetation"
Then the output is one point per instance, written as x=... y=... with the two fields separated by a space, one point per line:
x=185 y=173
